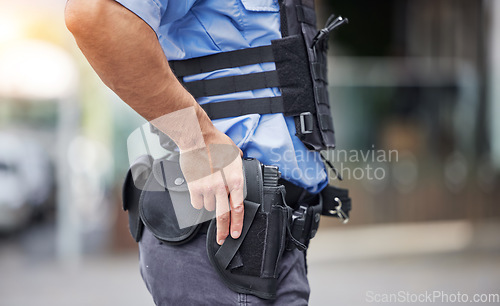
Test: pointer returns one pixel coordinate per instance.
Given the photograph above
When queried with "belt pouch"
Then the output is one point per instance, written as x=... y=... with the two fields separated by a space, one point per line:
x=165 y=205
x=130 y=197
x=156 y=195
x=133 y=185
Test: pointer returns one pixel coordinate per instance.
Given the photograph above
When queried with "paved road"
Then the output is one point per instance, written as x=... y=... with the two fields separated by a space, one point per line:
x=336 y=279
x=358 y=282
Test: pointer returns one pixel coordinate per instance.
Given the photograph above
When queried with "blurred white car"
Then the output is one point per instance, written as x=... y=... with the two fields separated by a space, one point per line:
x=26 y=180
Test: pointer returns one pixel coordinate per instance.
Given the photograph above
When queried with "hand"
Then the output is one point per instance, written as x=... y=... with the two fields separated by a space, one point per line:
x=212 y=173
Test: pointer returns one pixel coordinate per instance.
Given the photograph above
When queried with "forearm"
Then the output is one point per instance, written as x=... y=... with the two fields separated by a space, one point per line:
x=127 y=56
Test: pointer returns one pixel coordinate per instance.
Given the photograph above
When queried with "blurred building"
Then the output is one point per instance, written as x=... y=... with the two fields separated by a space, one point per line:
x=419 y=77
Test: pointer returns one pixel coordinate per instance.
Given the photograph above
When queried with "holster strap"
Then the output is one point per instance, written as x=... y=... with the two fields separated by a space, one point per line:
x=227 y=251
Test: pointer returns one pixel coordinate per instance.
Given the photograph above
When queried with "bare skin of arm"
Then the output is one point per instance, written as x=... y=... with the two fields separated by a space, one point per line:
x=127 y=56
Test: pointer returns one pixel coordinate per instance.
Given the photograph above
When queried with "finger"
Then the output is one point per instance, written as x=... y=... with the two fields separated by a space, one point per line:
x=209 y=199
x=237 y=212
x=196 y=197
x=223 y=215
x=236 y=192
x=233 y=175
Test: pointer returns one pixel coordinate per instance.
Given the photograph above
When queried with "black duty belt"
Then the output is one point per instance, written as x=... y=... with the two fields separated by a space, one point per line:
x=336 y=202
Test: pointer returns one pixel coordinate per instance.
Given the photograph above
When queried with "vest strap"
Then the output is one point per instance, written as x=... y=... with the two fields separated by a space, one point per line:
x=232 y=84
x=222 y=60
x=234 y=108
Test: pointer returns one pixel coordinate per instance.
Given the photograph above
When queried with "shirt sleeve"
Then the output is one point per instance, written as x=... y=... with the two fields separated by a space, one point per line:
x=158 y=12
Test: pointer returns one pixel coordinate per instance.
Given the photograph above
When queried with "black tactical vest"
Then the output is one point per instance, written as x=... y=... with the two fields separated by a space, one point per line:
x=301 y=75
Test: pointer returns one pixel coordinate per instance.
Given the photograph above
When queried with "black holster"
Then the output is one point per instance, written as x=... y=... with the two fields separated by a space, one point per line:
x=248 y=264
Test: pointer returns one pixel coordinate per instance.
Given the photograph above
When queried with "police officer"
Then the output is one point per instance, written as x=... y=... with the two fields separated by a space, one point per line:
x=128 y=43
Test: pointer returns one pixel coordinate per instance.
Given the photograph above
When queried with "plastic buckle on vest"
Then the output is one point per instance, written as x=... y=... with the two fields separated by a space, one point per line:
x=306 y=123
x=331 y=24
x=339 y=212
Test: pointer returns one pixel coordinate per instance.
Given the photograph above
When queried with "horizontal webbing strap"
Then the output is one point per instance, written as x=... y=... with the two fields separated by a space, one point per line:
x=222 y=60
x=319 y=72
x=321 y=95
x=234 y=108
x=231 y=84
x=325 y=122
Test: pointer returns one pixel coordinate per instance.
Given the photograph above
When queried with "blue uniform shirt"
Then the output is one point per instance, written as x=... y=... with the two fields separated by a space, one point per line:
x=193 y=28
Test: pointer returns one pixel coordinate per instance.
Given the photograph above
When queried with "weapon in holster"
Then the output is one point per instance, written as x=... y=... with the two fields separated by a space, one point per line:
x=250 y=263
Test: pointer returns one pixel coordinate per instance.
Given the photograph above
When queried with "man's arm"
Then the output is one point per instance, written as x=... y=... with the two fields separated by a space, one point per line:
x=127 y=56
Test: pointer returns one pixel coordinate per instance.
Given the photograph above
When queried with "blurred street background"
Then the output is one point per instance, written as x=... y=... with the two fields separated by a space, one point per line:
x=415 y=91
